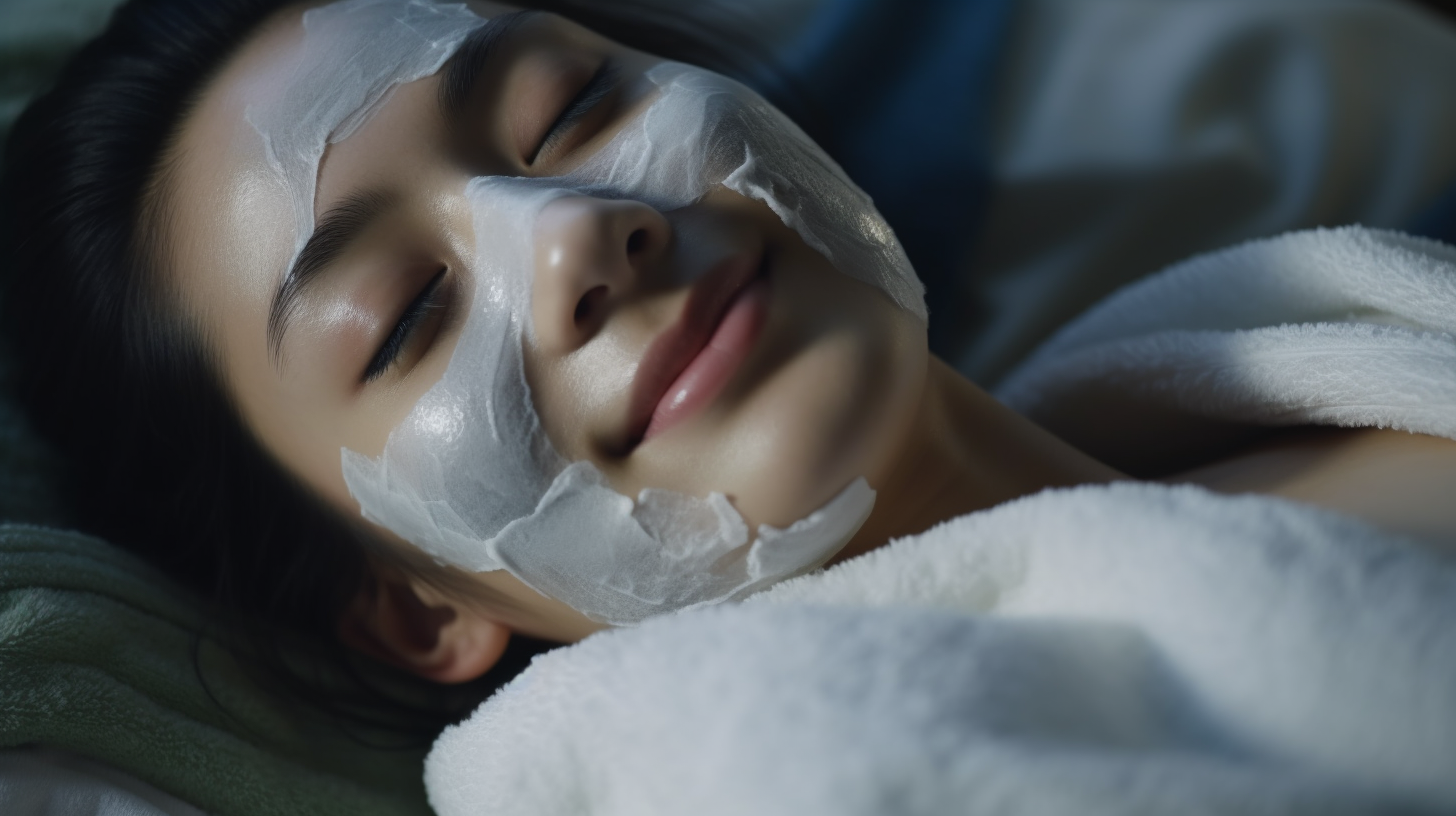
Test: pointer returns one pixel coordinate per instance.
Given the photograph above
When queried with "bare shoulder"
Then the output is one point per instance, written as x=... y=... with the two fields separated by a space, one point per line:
x=1401 y=481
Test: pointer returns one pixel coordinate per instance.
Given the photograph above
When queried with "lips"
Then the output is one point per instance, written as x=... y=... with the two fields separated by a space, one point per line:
x=692 y=360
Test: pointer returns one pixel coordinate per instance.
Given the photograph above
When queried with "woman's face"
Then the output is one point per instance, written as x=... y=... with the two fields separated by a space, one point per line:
x=810 y=380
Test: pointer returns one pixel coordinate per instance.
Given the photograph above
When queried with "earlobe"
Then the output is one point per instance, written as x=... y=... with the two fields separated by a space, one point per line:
x=438 y=640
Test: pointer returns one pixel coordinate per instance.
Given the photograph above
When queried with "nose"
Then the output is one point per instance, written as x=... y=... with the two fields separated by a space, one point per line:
x=590 y=254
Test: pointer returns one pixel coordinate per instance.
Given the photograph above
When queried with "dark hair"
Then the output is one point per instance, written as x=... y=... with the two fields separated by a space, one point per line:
x=118 y=379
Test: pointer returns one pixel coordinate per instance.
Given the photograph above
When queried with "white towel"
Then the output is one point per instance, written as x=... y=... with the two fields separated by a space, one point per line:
x=1351 y=327
x=1105 y=650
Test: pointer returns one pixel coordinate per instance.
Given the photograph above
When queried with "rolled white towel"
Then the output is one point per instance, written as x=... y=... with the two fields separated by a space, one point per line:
x=1351 y=327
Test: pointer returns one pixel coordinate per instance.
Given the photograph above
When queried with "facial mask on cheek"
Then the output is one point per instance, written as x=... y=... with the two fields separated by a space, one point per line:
x=705 y=129
x=470 y=476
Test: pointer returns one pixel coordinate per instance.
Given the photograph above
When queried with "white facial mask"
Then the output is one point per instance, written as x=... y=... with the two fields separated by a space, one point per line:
x=470 y=475
x=355 y=53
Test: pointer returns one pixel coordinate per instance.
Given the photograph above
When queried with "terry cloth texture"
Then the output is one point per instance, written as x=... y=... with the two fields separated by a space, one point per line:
x=1351 y=327
x=1122 y=649
x=96 y=658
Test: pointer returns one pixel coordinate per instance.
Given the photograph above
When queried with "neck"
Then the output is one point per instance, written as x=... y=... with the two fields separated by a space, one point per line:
x=967 y=452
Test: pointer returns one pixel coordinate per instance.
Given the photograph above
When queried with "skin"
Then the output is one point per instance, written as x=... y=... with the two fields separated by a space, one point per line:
x=838 y=384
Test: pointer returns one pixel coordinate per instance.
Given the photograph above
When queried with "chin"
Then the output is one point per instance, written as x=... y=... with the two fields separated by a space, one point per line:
x=839 y=410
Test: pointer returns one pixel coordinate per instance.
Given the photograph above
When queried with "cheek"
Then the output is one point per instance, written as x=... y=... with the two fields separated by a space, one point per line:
x=840 y=409
x=578 y=396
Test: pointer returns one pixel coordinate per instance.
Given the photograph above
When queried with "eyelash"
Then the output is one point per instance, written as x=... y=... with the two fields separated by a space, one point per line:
x=602 y=83
x=415 y=313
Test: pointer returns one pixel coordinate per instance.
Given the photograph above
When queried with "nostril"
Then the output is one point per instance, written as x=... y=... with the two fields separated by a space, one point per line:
x=636 y=241
x=587 y=306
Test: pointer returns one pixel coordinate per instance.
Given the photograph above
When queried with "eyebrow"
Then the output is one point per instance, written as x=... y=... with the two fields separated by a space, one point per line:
x=336 y=230
x=468 y=64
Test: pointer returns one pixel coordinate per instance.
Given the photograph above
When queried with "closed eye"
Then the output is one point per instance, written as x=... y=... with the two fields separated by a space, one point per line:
x=430 y=300
x=601 y=84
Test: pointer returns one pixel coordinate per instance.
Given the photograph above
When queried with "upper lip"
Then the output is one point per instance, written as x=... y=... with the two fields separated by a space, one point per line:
x=676 y=347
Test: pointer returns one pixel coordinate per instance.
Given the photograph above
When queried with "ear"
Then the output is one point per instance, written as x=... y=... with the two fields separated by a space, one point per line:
x=396 y=620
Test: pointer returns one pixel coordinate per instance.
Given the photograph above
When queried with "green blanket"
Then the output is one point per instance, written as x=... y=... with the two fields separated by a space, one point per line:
x=36 y=36
x=96 y=657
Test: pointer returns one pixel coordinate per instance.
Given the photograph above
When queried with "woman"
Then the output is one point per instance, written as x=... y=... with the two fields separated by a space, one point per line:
x=229 y=400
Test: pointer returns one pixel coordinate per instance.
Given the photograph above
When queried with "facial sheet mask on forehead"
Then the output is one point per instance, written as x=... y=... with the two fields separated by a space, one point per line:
x=354 y=54
x=470 y=475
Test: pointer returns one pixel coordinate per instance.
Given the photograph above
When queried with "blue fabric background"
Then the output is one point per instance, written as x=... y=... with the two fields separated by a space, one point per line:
x=1439 y=219
x=902 y=95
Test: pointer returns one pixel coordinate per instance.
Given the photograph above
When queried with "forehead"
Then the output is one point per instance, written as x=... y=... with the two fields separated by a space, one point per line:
x=218 y=189
x=231 y=220
x=227 y=186
x=227 y=228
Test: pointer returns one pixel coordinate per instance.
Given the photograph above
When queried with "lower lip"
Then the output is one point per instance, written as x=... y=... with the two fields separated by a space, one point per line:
x=710 y=371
